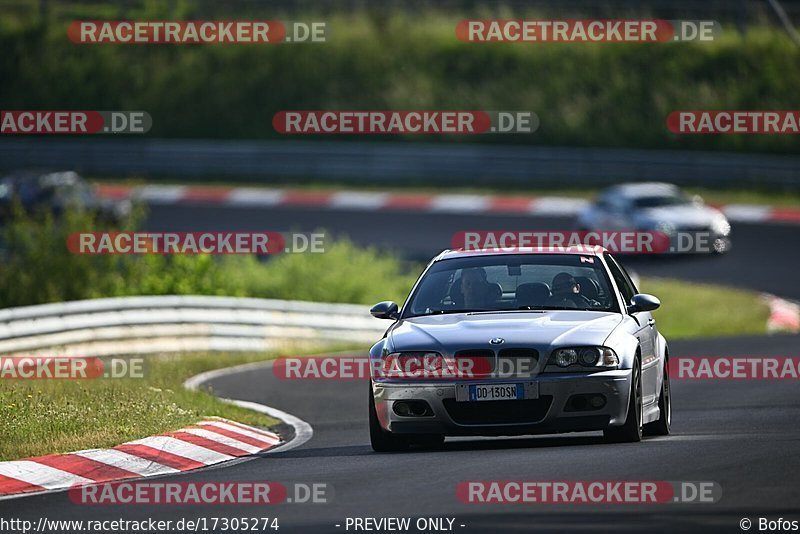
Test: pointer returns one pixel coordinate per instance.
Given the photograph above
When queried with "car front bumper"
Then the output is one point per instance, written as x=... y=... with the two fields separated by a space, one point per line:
x=552 y=412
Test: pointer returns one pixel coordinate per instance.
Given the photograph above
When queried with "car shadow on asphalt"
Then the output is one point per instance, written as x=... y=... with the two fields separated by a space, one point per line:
x=452 y=445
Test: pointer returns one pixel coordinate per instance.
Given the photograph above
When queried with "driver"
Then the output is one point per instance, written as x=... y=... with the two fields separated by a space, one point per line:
x=567 y=293
x=478 y=293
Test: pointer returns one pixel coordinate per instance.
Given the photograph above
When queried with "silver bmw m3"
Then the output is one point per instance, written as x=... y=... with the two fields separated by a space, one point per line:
x=529 y=341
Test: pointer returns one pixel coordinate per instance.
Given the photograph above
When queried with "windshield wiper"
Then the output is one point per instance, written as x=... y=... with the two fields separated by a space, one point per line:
x=445 y=312
x=461 y=310
x=558 y=308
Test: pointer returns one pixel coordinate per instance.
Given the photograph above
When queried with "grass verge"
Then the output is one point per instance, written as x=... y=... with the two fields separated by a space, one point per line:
x=705 y=310
x=57 y=416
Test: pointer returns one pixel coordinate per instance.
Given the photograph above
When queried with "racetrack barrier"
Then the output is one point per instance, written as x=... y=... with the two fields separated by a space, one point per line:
x=151 y=324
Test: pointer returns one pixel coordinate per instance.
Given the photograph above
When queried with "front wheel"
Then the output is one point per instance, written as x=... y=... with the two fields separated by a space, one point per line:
x=381 y=440
x=631 y=430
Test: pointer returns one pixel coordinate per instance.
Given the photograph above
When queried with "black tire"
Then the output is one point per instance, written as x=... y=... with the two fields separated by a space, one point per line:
x=631 y=430
x=381 y=440
x=661 y=426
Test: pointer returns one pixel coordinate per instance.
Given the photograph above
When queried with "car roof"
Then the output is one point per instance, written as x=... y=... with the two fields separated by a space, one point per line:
x=644 y=189
x=583 y=250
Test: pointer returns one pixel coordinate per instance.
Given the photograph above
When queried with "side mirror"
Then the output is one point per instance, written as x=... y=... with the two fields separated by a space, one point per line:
x=385 y=310
x=642 y=302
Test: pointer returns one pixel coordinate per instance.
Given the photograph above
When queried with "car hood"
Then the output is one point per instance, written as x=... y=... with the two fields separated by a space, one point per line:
x=689 y=215
x=541 y=330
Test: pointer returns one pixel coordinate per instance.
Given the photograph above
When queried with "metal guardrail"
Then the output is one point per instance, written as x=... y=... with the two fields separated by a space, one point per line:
x=387 y=162
x=140 y=325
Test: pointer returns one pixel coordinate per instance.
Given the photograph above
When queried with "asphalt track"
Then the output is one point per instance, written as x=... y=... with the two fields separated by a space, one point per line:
x=764 y=257
x=740 y=434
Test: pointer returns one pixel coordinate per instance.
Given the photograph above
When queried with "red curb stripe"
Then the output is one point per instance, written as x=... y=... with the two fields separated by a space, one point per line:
x=210 y=193
x=85 y=467
x=111 y=191
x=160 y=457
x=409 y=201
x=235 y=435
x=10 y=485
x=306 y=198
x=785 y=214
x=208 y=443
x=511 y=204
x=264 y=433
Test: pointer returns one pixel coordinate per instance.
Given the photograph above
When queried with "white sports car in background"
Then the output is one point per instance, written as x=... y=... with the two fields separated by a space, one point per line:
x=691 y=225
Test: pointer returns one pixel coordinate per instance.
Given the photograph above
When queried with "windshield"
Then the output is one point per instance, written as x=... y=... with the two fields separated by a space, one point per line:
x=660 y=201
x=513 y=282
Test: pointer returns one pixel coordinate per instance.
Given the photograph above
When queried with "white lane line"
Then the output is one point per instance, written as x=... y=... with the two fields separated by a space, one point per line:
x=129 y=462
x=223 y=440
x=40 y=474
x=302 y=430
x=183 y=448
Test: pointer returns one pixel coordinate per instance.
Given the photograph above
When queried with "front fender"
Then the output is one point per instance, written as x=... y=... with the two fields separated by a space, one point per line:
x=377 y=349
x=625 y=345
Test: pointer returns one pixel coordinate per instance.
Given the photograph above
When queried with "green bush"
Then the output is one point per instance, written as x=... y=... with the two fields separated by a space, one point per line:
x=37 y=267
x=343 y=273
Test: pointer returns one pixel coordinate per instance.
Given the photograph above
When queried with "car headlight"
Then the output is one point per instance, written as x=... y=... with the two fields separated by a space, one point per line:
x=721 y=226
x=564 y=357
x=585 y=357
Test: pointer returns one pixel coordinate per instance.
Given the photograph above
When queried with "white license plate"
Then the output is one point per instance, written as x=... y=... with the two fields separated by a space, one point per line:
x=491 y=392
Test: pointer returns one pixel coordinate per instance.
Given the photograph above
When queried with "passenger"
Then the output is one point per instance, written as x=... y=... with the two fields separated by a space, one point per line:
x=567 y=293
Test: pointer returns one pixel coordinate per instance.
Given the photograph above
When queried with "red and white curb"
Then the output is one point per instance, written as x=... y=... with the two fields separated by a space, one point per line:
x=784 y=316
x=373 y=201
x=209 y=442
